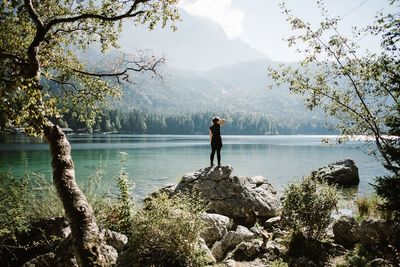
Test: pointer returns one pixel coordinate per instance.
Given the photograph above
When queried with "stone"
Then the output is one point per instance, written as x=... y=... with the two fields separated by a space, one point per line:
x=207 y=252
x=51 y=260
x=275 y=248
x=229 y=241
x=379 y=262
x=233 y=238
x=247 y=251
x=243 y=199
x=114 y=239
x=372 y=232
x=217 y=251
x=272 y=222
x=343 y=173
x=217 y=226
x=345 y=231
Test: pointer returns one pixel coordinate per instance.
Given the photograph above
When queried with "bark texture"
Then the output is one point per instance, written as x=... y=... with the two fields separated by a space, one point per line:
x=89 y=249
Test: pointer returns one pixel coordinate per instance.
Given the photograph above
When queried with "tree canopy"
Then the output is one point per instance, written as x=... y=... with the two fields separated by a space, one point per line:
x=42 y=76
x=359 y=88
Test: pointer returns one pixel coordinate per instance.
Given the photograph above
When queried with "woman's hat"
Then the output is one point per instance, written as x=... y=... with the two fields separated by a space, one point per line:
x=215 y=119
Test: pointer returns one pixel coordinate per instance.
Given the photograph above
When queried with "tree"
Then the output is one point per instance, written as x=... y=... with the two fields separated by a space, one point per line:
x=42 y=76
x=361 y=90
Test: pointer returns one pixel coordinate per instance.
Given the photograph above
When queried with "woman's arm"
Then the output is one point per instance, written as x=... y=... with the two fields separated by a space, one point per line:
x=211 y=135
x=221 y=121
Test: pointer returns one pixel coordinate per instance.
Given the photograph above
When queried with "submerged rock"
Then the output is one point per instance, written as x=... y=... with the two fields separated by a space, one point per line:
x=342 y=172
x=239 y=197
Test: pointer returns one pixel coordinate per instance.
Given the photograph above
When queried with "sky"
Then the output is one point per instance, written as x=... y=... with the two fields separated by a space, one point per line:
x=261 y=24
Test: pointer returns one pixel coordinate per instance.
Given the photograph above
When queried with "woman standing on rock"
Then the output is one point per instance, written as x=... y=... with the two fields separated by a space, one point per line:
x=215 y=139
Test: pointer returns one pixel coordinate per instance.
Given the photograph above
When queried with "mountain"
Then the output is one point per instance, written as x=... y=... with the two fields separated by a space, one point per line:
x=240 y=87
x=198 y=44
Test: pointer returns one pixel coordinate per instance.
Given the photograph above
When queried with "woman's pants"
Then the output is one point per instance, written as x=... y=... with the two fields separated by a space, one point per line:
x=213 y=149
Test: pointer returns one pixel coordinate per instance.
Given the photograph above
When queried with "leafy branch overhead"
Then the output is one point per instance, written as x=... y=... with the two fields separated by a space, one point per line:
x=42 y=71
x=360 y=89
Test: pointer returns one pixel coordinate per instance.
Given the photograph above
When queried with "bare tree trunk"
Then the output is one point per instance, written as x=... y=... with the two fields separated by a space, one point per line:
x=89 y=248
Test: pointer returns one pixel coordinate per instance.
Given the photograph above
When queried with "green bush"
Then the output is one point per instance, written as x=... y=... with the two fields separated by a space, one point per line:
x=112 y=211
x=115 y=213
x=388 y=188
x=166 y=231
x=24 y=200
x=307 y=207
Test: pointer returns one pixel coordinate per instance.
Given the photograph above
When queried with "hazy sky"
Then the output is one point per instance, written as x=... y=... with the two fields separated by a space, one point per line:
x=261 y=24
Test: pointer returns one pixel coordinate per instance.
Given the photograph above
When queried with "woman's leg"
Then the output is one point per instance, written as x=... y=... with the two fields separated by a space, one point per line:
x=213 y=148
x=219 y=155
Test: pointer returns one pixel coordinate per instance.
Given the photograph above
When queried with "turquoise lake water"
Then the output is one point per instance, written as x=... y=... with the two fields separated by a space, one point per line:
x=157 y=160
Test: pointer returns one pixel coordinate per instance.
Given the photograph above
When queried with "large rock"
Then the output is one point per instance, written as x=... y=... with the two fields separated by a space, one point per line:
x=242 y=198
x=373 y=232
x=217 y=226
x=343 y=172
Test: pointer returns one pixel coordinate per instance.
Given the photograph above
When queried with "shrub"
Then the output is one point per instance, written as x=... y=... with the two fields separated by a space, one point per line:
x=388 y=187
x=112 y=212
x=166 y=231
x=24 y=200
x=307 y=207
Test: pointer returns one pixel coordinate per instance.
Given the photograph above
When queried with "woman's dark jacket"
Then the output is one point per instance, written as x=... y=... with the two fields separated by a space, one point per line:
x=216 y=140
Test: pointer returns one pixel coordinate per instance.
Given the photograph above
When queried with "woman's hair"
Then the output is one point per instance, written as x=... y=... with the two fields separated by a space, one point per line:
x=215 y=120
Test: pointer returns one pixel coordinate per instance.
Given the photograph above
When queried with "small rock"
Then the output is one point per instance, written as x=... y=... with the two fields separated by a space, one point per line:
x=114 y=239
x=217 y=251
x=216 y=227
x=207 y=252
x=233 y=238
x=272 y=222
x=379 y=262
x=229 y=241
x=247 y=251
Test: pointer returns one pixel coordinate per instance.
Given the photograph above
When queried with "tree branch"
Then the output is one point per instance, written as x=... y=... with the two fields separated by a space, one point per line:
x=127 y=14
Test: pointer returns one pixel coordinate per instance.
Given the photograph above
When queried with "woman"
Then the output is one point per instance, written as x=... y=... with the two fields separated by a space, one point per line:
x=215 y=139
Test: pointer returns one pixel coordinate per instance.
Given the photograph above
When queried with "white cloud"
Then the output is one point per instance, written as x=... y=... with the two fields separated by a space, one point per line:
x=221 y=11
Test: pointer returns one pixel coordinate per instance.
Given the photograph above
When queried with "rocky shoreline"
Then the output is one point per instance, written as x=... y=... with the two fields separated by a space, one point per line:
x=242 y=225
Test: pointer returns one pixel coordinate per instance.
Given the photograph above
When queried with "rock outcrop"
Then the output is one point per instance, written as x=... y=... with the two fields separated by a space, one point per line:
x=343 y=172
x=239 y=197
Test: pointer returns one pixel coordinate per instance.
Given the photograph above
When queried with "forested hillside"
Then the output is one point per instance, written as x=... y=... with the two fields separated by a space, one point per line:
x=238 y=123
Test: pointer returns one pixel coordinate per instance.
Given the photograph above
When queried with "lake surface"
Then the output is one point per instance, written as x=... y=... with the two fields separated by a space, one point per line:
x=156 y=160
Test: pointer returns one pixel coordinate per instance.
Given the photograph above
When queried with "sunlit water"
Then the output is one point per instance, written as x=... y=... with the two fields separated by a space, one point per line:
x=156 y=160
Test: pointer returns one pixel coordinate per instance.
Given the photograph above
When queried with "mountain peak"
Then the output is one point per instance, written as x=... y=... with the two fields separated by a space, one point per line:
x=198 y=44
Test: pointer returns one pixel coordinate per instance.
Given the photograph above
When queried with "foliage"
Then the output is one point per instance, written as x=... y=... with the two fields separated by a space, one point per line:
x=388 y=187
x=113 y=211
x=358 y=257
x=117 y=213
x=42 y=74
x=166 y=231
x=307 y=207
x=24 y=200
x=368 y=206
x=278 y=263
x=360 y=89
